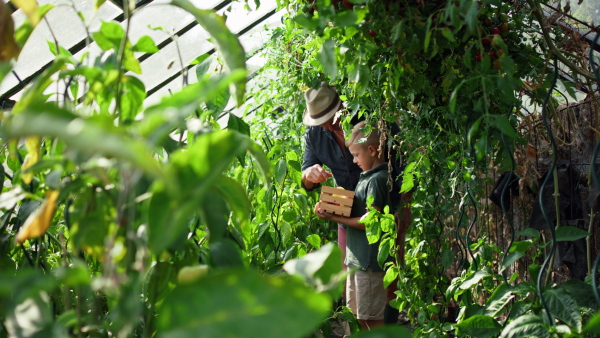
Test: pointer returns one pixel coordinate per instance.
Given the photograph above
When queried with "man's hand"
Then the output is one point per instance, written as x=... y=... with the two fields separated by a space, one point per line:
x=315 y=174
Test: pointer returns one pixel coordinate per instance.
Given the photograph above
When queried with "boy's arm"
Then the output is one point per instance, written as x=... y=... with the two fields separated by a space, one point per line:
x=348 y=221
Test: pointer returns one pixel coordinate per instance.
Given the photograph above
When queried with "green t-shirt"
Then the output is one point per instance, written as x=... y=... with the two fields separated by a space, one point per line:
x=359 y=253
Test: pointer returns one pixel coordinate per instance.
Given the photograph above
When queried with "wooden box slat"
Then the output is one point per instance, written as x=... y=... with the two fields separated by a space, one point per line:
x=345 y=199
x=347 y=202
x=336 y=191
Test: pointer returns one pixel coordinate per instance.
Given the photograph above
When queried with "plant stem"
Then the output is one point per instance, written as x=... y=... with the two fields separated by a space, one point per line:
x=588 y=242
x=556 y=204
x=121 y=56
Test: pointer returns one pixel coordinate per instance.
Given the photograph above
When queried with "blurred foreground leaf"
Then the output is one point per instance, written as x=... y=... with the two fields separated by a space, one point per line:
x=242 y=303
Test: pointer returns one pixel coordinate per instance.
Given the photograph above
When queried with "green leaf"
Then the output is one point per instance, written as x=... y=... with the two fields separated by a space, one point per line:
x=384 y=251
x=83 y=135
x=479 y=326
x=24 y=31
x=385 y=332
x=327 y=58
x=235 y=196
x=132 y=100
x=471 y=16
x=593 y=326
x=454 y=97
x=580 y=292
x=408 y=182
x=306 y=22
x=314 y=240
x=499 y=299
x=321 y=268
x=447 y=33
x=510 y=259
x=214 y=214
x=225 y=253
x=227 y=43
x=242 y=303
x=473 y=279
x=447 y=258
x=569 y=233
x=280 y=171
x=503 y=124
x=145 y=45
x=427 y=35
x=217 y=103
x=237 y=124
x=130 y=62
x=562 y=305
x=109 y=36
x=526 y=326
x=529 y=232
x=168 y=218
x=345 y=18
x=204 y=61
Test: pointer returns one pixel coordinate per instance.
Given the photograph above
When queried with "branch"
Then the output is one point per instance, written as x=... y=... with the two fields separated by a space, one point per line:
x=537 y=12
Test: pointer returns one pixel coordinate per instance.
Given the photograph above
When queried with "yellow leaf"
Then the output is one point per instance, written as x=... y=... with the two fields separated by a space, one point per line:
x=33 y=156
x=8 y=46
x=39 y=221
x=29 y=7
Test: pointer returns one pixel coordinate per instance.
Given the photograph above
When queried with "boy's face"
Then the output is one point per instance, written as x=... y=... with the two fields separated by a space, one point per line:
x=363 y=156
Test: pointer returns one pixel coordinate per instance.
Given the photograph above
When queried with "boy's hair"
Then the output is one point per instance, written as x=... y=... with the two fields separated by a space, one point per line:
x=358 y=136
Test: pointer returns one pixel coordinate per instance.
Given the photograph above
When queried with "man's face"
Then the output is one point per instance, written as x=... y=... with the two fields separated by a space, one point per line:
x=330 y=125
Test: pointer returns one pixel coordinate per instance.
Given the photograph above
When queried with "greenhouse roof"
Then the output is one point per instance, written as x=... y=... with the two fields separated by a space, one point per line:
x=176 y=33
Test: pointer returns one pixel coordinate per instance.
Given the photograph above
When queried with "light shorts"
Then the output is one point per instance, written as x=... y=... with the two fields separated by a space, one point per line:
x=365 y=294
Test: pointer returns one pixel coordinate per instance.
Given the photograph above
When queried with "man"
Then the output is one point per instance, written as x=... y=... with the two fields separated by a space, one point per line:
x=325 y=145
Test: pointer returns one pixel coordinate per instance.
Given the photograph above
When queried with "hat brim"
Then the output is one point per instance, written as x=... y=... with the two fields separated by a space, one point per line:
x=308 y=121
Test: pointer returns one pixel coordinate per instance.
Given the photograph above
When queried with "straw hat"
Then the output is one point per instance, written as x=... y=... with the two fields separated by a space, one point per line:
x=321 y=105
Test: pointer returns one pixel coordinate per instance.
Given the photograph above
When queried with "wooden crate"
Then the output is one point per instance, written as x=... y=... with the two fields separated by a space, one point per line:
x=338 y=205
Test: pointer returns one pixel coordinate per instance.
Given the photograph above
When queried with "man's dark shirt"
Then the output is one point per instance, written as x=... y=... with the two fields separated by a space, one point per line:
x=321 y=148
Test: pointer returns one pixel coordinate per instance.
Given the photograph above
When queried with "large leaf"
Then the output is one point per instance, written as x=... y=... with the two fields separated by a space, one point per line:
x=168 y=217
x=593 y=326
x=161 y=119
x=526 y=326
x=226 y=254
x=479 y=326
x=569 y=233
x=580 y=292
x=242 y=303
x=328 y=59
x=132 y=100
x=562 y=305
x=215 y=215
x=83 y=135
x=499 y=299
x=473 y=279
x=321 y=268
x=227 y=43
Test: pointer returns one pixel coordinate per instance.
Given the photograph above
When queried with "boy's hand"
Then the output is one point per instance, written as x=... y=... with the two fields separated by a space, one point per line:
x=322 y=214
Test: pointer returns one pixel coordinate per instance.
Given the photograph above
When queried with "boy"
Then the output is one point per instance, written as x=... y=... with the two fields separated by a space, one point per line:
x=365 y=293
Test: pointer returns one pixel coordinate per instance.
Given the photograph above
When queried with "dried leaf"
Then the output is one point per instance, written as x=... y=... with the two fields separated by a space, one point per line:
x=39 y=221
x=8 y=46
x=33 y=156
